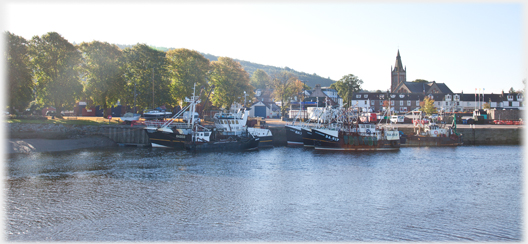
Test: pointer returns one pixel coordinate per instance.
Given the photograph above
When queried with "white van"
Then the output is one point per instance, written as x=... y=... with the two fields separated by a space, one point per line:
x=187 y=117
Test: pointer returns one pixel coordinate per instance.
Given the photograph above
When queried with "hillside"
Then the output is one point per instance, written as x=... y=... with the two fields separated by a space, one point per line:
x=310 y=79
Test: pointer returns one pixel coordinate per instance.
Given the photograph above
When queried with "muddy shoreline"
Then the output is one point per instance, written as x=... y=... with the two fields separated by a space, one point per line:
x=54 y=145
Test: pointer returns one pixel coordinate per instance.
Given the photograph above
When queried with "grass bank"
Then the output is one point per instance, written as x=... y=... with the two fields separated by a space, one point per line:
x=68 y=121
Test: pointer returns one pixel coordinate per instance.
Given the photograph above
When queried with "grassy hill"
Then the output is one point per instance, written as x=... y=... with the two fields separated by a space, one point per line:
x=310 y=79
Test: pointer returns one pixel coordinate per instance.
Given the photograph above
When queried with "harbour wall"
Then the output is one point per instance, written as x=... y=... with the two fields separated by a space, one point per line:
x=485 y=136
x=137 y=136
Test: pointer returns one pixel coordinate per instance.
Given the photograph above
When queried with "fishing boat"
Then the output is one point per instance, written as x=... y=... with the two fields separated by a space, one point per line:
x=232 y=123
x=428 y=133
x=215 y=140
x=172 y=134
x=365 y=137
x=194 y=137
x=349 y=133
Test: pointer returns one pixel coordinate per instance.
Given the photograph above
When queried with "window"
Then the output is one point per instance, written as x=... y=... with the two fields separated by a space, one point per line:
x=402 y=96
x=382 y=96
x=373 y=102
x=417 y=102
x=381 y=102
x=365 y=96
x=408 y=102
x=392 y=102
x=392 y=96
x=358 y=96
x=510 y=97
x=401 y=102
x=365 y=102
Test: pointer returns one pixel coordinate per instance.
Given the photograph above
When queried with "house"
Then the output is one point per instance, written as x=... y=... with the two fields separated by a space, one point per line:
x=325 y=94
x=264 y=110
x=422 y=87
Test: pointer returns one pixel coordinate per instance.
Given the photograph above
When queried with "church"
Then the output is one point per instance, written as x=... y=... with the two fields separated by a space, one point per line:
x=399 y=83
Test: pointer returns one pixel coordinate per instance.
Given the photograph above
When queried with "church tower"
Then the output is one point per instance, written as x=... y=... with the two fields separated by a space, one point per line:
x=398 y=74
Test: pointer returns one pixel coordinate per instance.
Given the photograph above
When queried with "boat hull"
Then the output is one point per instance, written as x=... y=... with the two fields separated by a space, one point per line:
x=294 y=135
x=265 y=141
x=168 y=140
x=244 y=144
x=343 y=142
x=265 y=136
x=307 y=137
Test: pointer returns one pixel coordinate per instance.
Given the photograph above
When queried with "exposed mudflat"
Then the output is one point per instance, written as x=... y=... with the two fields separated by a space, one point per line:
x=49 y=145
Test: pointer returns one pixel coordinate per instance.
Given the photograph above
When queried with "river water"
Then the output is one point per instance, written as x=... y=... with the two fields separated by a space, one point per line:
x=470 y=193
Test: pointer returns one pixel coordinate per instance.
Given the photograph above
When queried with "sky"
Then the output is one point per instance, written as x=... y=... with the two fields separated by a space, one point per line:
x=467 y=46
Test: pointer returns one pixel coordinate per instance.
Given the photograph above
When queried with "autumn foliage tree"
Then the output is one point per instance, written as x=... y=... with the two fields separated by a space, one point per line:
x=285 y=86
x=346 y=87
x=103 y=71
x=186 y=68
x=427 y=106
x=230 y=81
x=56 y=64
x=19 y=74
x=260 y=79
x=146 y=73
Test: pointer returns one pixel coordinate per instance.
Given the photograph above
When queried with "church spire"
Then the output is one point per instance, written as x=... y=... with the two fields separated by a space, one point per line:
x=398 y=66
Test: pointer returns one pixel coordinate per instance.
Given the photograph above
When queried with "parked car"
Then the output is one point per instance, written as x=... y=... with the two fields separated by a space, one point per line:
x=53 y=113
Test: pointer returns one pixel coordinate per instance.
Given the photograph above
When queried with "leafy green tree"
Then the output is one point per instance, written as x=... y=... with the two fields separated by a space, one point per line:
x=346 y=87
x=230 y=81
x=103 y=72
x=427 y=106
x=285 y=86
x=186 y=68
x=146 y=73
x=512 y=90
x=420 y=81
x=486 y=106
x=20 y=83
x=260 y=79
x=56 y=64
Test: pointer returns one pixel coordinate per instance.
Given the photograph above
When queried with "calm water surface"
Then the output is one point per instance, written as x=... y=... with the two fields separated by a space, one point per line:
x=281 y=194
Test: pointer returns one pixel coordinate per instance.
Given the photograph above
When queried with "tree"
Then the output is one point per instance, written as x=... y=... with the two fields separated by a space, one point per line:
x=103 y=67
x=260 y=79
x=20 y=83
x=421 y=81
x=511 y=91
x=285 y=86
x=386 y=105
x=427 y=106
x=146 y=74
x=346 y=87
x=186 y=68
x=56 y=64
x=230 y=81
x=486 y=106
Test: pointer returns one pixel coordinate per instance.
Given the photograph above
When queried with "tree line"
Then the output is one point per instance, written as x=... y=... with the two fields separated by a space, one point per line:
x=48 y=70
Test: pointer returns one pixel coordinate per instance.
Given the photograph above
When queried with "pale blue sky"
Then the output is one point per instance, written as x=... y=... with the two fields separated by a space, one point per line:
x=465 y=45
